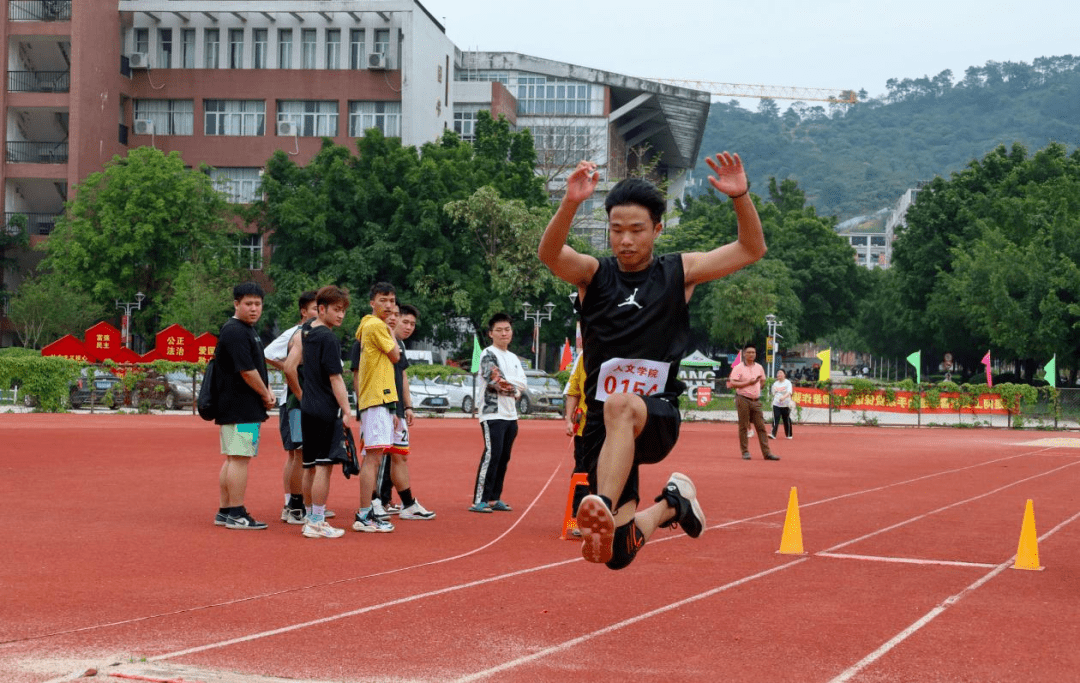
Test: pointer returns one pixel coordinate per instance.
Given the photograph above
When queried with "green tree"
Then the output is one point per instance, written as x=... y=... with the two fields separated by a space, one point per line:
x=201 y=297
x=45 y=308
x=133 y=225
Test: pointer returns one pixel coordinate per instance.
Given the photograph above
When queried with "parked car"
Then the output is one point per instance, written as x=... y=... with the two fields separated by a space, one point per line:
x=171 y=391
x=460 y=390
x=544 y=393
x=426 y=395
x=104 y=390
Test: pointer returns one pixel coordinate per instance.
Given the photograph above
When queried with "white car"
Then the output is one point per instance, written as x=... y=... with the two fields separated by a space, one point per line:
x=460 y=390
x=426 y=395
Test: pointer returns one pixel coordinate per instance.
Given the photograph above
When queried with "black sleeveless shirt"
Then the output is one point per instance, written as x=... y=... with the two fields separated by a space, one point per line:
x=635 y=316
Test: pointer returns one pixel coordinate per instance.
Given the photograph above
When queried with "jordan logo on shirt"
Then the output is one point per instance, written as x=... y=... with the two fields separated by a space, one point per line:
x=630 y=300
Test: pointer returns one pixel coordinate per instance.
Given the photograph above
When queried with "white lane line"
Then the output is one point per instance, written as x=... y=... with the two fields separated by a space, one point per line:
x=622 y=624
x=900 y=637
x=965 y=501
x=904 y=560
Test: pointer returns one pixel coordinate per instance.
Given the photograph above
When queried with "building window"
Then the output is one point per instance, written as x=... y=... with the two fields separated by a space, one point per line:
x=235 y=117
x=142 y=40
x=386 y=116
x=313 y=118
x=382 y=42
x=236 y=48
x=538 y=95
x=187 y=48
x=213 y=44
x=260 y=37
x=465 y=125
x=284 y=37
x=568 y=141
x=170 y=117
x=164 y=49
x=356 y=48
x=309 y=39
x=250 y=252
x=242 y=185
x=333 y=48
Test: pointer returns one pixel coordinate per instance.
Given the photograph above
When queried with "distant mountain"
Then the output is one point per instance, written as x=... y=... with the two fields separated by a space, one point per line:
x=856 y=159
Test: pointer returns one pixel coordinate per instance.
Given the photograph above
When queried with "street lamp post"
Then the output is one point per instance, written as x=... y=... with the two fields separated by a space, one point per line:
x=128 y=306
x=772 y=322
x=538 y=317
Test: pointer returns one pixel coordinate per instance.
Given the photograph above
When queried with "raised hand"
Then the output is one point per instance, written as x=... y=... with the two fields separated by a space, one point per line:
x=582 y=182
x=730 y=177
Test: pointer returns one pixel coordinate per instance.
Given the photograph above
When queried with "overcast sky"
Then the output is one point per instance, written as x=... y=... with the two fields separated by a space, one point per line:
x=844 y=44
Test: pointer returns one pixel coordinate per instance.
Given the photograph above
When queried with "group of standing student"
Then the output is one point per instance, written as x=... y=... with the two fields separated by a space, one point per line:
x=315 y=414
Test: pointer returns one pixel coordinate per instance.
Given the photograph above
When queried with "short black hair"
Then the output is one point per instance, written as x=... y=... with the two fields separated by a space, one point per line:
x=306 y=298
x=406 y=309
x=382 y=288
x=749 y=345
x=247 y=289
x=499 y=318
x=637 y=191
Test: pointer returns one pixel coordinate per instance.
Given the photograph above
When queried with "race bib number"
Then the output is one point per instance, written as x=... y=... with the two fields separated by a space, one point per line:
x=631 y=376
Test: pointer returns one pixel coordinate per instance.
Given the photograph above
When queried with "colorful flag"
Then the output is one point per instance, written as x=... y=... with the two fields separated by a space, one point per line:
x=476 y=351
x=986 y=362
x=826 y=365
x=567 y=356
x=1050 y=370
x=738 y=360
x=916 y=360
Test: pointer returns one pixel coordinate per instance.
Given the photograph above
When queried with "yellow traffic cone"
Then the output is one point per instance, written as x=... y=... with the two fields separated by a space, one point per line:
x=791 y=541
x=1027 y=553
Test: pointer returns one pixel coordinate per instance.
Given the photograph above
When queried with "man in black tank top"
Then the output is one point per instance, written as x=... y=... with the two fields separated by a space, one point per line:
x=635 y=329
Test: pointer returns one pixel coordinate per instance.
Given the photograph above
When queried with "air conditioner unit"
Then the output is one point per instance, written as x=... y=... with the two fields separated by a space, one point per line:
x=377 y=60
x=139 y=60
x=144 y=127
x=287 y=129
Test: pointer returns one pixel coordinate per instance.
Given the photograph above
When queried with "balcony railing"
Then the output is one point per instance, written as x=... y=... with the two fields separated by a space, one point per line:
x=36 y=223
x=39 y=81
x=19 y=152
x=39 y=10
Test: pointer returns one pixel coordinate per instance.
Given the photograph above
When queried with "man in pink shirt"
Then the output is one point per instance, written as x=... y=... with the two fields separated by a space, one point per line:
x=747 y=379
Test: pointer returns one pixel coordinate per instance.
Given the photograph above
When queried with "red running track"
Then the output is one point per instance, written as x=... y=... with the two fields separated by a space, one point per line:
x=113 y=563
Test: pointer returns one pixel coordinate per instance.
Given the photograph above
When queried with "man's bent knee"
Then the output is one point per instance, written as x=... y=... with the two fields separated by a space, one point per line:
x=625 y=408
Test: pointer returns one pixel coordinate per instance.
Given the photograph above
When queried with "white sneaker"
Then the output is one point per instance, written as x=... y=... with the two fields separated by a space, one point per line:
x=321 y=530
x=378 y=509
x=369 y=523
x=393 y=509
x=773 y=436
x=791 y=437
x=417 y=511
x=749 y=433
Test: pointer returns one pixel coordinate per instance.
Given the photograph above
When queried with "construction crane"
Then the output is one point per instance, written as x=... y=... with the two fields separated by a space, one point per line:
x=773 y=92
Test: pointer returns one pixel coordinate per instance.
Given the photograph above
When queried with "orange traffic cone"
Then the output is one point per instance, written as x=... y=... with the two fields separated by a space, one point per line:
x=791 y=541
x=1027 y=552
x=579 y=479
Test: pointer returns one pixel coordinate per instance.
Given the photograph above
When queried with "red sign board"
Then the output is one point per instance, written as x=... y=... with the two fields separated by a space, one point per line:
x=704 y=395
x=176 y=344
x=69 y=347
x=205 y=344
x=103 y=340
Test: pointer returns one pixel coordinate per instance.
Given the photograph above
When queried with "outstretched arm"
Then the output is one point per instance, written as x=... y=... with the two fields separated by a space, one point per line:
x=729 y=178
x=563 y=261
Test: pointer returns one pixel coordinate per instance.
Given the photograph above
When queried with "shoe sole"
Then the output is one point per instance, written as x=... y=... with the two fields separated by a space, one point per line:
x=415 y=516
x=245 y=527
x=482 y=511
x=319 y=534
x=681 y=481
x=597 y=526
x=363 y=528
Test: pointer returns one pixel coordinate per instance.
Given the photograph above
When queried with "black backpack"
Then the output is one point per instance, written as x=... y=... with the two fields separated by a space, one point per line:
x=208 y=393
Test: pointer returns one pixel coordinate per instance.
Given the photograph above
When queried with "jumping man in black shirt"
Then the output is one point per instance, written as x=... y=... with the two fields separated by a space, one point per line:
x=636 y=327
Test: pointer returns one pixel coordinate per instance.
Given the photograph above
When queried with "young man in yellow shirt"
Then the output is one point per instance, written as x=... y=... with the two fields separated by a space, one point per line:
x=376 y=397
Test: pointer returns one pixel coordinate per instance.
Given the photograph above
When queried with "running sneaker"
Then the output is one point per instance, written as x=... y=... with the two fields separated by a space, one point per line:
x=244 y=521
x=395 y=508
x=417 y=511
x=681 y=494
x=292 y=515
x=330 y=514
x=220 y=519
x=321 y=530
x=377 y=508
x=369 y=523
x=597 y=526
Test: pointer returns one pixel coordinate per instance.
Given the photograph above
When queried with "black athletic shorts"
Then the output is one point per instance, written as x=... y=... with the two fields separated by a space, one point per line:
x=324 y=441
x=651 y=446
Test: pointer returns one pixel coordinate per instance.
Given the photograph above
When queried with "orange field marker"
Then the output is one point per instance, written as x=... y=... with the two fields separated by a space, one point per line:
x=569 y=523
x=1027 y=552
x=791 y=541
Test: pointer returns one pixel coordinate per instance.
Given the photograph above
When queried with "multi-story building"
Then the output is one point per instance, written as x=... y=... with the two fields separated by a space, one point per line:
x=228 y=82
